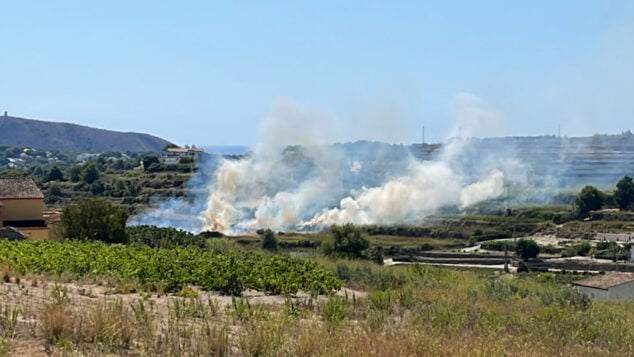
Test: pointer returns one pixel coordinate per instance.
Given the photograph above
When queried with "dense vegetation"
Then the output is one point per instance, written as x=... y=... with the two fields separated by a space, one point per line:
x=66 y=177
x=95 y=219
x=346 y=241
x=591 y=199
x=407 y=311
x=170 y=269
x=163 y=237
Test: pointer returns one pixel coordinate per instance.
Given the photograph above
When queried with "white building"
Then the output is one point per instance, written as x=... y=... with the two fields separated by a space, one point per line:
x=173 y=155
x=608 y=286
x=616 y=237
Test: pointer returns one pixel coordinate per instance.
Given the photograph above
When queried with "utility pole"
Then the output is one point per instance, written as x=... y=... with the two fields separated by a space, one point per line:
x=559 y=130
x=506 y=256
x=423 y=135
x=508 y=213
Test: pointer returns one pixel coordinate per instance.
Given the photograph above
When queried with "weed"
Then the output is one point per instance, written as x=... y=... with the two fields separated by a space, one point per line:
x=59 y=294
x=56 y=322
x=6 y=346
x=8 y=321
x=188 y=292
x=109 y=325
x=335 y=311
x=213 y=305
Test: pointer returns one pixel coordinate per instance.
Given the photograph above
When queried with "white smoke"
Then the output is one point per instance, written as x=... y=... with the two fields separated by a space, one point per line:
x=272 y=189
x=264 y=190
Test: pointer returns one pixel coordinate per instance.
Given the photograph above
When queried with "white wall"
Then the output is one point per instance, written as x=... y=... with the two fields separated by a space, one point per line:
x=592 y=292
x=622 y=292
x=619 y=292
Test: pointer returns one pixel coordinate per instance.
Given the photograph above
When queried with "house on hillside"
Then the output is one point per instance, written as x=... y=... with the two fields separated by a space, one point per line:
x=608 y=286
x=22 y=207
x=173 y=155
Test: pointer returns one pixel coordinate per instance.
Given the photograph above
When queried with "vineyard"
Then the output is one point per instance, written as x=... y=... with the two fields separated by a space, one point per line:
x=170 y=270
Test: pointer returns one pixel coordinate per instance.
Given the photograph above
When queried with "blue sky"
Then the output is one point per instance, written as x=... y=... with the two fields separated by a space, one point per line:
x=209 y=72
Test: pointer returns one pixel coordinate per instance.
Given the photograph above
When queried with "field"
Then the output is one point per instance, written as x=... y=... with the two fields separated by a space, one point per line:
x=90 y=306
x=169 y=270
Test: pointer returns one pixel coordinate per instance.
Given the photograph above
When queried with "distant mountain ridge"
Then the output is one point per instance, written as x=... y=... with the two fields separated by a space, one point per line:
x=40 y=134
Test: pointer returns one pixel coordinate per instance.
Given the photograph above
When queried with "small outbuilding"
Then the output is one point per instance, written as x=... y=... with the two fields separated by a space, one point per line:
x=608 y=286
x=22 y=207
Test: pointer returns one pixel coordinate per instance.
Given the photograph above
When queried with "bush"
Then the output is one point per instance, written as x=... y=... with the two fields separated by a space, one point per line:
x=589 y=199
x=335 y=311
x=527 y=249
x=55 y=174
x=499 y=245
x=581 y=249
x=269 y=242
x=75 y=173
x=90 y=173
x=54 y=190
x=149 y=160
x=347 y=241
x=95 y=219
x=163 y=237
x=624 y=194
x=376 y=255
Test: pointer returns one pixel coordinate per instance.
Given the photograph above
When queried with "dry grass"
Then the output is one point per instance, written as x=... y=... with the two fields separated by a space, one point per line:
x=429 y=312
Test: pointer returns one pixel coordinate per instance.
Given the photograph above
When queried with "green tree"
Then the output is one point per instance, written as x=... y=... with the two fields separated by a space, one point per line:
x=90 y=173
x=589 y=199
x=54 y=190
x=377 y=255
x=347 y=241
x=36 y=171
x=624 y=194
x=148 y=160
x=527 y=249
x=55 y=174
x=95 y=219
x=269 y=242
x=75 y=173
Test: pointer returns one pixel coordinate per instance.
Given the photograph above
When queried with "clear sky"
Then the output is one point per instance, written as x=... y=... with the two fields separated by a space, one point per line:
x=209 y=72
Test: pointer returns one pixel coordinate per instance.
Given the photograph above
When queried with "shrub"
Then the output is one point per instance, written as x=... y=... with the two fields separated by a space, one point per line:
x=624 y=194
x=95 y=219
x=589 y=199
x=90 y=173
x=347 y=241
x=163 y=237
x=269 y=242
x=581 y=249
x=55 y=174
x=149 y=160
x=499 y=245
x=527 y=249
x=75 y=173
x=54 y=190
x=335 y=311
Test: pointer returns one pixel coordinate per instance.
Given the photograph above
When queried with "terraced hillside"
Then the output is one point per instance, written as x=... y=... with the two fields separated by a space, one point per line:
x=554 y=161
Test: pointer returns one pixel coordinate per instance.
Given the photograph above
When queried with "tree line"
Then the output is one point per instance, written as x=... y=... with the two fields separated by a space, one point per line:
x=592 y=199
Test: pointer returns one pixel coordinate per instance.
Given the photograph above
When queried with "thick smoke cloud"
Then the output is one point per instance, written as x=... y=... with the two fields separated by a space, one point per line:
x=317 y=184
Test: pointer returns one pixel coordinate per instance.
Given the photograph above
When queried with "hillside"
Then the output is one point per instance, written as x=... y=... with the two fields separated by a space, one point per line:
x=22 y=132
x=599 y=160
